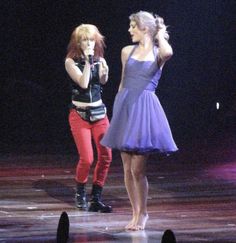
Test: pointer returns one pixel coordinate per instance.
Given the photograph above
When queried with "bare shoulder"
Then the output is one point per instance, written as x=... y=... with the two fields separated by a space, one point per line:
x=127 y=49
x=69 y=61
x=102 y=59
x=125 y=52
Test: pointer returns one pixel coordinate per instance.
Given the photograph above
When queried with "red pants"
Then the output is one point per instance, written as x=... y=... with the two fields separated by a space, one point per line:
x=83 y=133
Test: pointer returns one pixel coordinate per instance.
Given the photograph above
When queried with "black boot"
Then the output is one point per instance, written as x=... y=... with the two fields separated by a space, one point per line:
x=80 y=197
x=95 y=204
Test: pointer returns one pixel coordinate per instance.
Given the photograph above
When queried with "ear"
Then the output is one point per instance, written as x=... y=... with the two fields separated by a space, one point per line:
x=145 y=30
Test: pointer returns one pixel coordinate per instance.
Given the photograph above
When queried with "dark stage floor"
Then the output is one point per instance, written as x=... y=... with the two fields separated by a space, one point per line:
x=193 y=193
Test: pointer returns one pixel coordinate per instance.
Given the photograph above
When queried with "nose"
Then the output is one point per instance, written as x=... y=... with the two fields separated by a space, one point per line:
x=89 y=42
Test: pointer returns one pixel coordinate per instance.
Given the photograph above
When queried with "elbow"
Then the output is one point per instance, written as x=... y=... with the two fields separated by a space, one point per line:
x=171 y=53
x=103 y=79
x=168 y=54
x=83 y=86
x=103 y=82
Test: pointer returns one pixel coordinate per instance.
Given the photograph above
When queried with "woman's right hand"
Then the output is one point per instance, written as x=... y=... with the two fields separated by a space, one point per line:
x=89 y=51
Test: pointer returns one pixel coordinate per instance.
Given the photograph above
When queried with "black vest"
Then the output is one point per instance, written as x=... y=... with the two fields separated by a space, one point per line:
x=93 y=92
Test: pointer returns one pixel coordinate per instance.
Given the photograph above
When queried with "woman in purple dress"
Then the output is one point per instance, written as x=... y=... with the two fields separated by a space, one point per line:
x=139 y=125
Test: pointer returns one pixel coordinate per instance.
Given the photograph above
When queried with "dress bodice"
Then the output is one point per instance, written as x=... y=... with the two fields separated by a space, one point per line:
x=142 y=75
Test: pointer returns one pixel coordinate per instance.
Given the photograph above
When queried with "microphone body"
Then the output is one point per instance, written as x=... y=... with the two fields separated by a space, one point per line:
x=90 y=57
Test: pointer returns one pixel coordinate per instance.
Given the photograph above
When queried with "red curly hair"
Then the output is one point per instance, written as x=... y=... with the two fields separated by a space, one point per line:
x=85 y=31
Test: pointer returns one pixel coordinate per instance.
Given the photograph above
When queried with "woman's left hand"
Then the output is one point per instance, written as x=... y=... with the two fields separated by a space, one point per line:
x=103 y=71
x=103 y=68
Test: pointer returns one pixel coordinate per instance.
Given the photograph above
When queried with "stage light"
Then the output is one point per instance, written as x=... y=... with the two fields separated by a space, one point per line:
x=63 y=228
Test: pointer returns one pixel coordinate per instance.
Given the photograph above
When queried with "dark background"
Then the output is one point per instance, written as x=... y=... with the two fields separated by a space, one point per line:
x=35 y=87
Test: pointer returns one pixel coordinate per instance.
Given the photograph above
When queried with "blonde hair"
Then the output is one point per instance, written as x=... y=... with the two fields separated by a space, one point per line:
x=153 y=22
x=85 y=31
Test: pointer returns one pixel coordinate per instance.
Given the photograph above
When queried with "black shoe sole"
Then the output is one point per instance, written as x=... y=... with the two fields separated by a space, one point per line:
x=81 y=208
x=98 y=209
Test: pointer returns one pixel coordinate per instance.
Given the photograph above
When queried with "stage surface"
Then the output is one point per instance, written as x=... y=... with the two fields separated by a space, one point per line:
x=193 y=193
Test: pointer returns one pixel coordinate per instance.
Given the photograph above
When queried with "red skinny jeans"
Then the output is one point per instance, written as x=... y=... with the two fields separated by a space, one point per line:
x=83 y=133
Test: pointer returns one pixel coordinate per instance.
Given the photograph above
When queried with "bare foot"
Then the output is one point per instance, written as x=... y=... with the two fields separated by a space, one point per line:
x=141 y=222
x=131 y=224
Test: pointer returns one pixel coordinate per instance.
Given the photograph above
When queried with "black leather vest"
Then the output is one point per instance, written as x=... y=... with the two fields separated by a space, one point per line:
x=93 y=92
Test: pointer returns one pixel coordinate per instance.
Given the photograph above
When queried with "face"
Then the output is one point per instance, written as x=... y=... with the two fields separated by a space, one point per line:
x=135 y=32
x=87 y=43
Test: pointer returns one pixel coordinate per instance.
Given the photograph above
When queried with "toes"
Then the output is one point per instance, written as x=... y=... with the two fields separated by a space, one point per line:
x=129 y=226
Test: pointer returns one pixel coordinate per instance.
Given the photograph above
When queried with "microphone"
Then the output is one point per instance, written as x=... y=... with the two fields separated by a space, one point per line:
x=90 y=57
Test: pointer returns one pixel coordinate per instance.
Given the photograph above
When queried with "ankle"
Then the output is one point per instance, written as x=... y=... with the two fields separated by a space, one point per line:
x=80 y=197
x=143 y=214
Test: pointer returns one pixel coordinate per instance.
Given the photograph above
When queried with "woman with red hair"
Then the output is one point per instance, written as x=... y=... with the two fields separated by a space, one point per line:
x=88 y=120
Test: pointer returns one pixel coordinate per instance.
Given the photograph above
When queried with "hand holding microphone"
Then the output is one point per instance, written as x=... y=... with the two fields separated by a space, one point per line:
x=89 y=53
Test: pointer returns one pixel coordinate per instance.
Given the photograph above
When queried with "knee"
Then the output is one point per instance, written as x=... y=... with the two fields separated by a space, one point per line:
x=128 y=174
x=138 y=174
x=104 y=163
x=85 y=163
x=106 y=156
x=86 y=157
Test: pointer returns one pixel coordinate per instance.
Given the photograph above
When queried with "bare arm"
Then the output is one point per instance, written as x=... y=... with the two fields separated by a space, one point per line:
x=80 y=78
x=124 y=57
x=165 y=50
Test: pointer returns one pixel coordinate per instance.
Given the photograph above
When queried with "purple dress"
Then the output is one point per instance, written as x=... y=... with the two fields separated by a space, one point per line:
x=139 y=123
